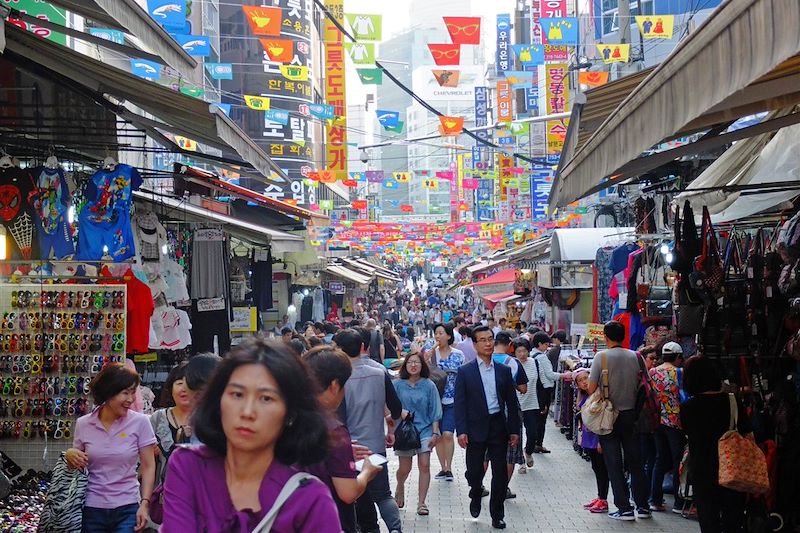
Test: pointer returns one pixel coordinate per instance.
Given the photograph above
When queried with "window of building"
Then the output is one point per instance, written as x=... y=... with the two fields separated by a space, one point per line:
x=610 y=13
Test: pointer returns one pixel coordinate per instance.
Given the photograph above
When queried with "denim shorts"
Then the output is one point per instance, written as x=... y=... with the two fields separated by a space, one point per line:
x=119 y=520
x=425 y=448
x=448 y=421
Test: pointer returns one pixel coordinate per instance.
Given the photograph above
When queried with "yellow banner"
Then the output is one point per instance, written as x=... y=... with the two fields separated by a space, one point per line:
x=557 y=87
x=259 y=103
x=614 y=53
x=294 y=72
x=556 y=132
x=656 y=26
x=335 y=94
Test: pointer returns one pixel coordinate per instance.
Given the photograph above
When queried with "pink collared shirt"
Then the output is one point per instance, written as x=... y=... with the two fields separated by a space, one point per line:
x=113 y=457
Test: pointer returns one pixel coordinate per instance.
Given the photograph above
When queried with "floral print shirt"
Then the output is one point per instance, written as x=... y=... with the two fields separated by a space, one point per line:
x=665 y=382
x=450 y=365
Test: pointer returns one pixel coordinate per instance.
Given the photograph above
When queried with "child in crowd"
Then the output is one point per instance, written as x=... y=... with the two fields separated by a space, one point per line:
x=590 y=443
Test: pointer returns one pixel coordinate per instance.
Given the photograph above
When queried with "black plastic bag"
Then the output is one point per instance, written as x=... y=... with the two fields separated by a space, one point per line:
x=406 y=436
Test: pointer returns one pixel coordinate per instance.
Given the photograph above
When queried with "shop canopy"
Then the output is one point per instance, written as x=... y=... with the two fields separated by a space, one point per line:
x=370 y=269
x=120 y=91
x=500 y=297
x=183 y=211
x=509 y=275
x=742 y=60
x=346 y=274
x=581 y=244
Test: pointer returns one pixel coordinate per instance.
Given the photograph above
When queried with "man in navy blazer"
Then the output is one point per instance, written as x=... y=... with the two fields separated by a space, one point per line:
x=487 y=420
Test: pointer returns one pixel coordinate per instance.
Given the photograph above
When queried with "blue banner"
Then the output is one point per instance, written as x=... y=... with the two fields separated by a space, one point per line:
x=323 y=111
x=388 y=119
x=171 y=14
x=225 y=108
x=519 y=79
x=481 y=109
x=529 y=55
x=503 y=57
x=279 y=116
x=483 y=199
x=220 y=71
x=195 y=45
x=149 y=70
x=541 y=183
x=115 y=36
x=560 y=31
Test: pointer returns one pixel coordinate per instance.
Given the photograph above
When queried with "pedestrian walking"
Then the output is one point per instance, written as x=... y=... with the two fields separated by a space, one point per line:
x=545 y=385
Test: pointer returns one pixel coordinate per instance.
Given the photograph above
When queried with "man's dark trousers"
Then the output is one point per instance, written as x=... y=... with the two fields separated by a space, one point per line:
x=497 y=447
x=623 y=440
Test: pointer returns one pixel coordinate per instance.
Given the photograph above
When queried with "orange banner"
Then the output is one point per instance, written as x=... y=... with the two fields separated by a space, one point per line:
x=278 y=50
x=505 y=98
x=593 y=79
x=264 y=20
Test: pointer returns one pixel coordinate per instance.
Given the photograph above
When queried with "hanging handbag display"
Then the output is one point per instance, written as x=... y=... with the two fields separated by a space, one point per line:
x=708 y=275
x=742 y=464
x=63 y=507
x=598 y=413
x=406 y=436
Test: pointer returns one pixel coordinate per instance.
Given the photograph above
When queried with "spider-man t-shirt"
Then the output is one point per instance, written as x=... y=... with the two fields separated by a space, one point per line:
x=105 y=220
x=16 y=212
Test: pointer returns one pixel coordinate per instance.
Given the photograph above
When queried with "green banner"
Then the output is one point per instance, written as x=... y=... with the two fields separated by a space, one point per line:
x=370 y=76
x=365 y=27
x=42 y=10
x=361 y=53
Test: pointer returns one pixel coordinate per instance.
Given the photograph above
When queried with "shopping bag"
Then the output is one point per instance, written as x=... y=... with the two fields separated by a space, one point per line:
x=742 y=464
x=406 y=436
x=598 y=414
x=63 y=507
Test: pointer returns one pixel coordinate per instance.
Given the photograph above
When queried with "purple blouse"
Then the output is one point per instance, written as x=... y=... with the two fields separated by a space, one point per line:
x=196 y=498
x=589 y=440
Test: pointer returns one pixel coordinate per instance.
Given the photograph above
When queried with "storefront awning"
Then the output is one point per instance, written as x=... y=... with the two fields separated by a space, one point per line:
x=280 y=241
x=700 y=85
x=483 y=266
x=348 y=275
x=500 y=297
x=508 y=275
x=174 y=112
x=581 y=244
x=371 y=270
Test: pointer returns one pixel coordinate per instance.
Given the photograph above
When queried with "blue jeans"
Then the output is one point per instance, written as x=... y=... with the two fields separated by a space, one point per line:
x=119 y=520
x=669 y=445
x=378 y=492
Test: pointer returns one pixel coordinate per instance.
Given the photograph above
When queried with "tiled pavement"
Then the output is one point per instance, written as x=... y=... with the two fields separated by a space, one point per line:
x=549 y=499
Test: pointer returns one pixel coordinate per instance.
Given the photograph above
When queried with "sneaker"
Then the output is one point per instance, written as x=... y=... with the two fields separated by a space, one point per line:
x=441 y=475
x=628 y=516
x=642 y=513
x=600 y=506
x=590 y=504
x=523 y=469
x=449 y=476
x=658 y=507
x=676 y=510
x=529 y=460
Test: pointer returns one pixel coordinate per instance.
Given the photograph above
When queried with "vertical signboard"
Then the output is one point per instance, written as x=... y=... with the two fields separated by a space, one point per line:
x=505 y=110
x=557 y=87
x=503 y=54
x=541 y=183
x=335 y=131
x=481 y=120
x=484 y=200
x=504 y=164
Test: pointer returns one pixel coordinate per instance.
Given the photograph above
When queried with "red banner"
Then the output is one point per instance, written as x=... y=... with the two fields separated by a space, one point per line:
x=445 y=54
x=464 y=30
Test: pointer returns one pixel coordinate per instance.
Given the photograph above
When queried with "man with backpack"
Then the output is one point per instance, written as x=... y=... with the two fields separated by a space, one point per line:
x=623 y=370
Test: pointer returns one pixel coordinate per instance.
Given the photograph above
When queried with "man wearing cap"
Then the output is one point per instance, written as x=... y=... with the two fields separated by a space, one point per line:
x=669 y=437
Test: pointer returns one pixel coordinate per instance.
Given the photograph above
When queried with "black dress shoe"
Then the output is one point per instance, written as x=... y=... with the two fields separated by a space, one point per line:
x=510 y=495
x=499 y=524
x=484 y=492
x=475 y=507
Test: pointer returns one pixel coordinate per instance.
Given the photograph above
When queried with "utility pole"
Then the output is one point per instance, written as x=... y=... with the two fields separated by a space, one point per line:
x=624 y=19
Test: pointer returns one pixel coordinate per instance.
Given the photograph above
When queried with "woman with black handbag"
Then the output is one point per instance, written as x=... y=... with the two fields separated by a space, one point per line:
x=422 y=410
x=546 y=379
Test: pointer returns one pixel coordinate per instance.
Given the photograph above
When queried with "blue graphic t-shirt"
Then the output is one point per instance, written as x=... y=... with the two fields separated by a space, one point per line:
x=51 y=198
x=109 y=193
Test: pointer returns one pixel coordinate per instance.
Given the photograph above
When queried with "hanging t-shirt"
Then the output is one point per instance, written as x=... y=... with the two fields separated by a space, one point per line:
x=140 y=309
x=150 y=235
x=50 y=201
x=16 y=212
x=105 y=220
x=176 y=281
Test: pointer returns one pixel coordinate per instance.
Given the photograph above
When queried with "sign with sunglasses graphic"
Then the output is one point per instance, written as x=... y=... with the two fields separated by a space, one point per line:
x=445 y=54
x=464 y=30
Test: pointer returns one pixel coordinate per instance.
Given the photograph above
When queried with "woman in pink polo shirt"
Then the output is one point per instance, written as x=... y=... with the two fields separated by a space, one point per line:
x=111 y=441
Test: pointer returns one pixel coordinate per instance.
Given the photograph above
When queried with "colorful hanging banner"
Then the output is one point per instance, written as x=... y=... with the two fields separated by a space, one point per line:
x=370 y=76
x=294 y=72
x=505 y=110
x=171 y=14
x=259 y=103
x=194 y=45
x=264 y=20
x=447 y=78
x=519 y=129
x=374 y=176
x=186 y=144
x=593 y=78
x=502 y=57
x=390 y=183
x=115 y=36
x=445 y=54
x=656 y=26
x=529 y=55
x=406 y=208
x=388 y=119
x=430 y=184
x=149 y=70
x=557 y=85
x=451 y=125
x=326 y=204
x=614 y=53
x=402 y=177
x=323 y=111
x=464 y=30
x=194 y=92
x=326 y=176
x=225 y=108
x=519 y=79
x=365 y=27
x=470 y=184
x=335 y=88
x=278 y=50
x=278 y=116
x=361 y=53
x=560 y=31
x=220 y=71
x=395 y=129
x=358 y=176
x=358 y=204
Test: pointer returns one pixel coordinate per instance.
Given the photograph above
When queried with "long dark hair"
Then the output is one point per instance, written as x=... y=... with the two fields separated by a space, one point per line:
x=304 y=438
x=424 y=371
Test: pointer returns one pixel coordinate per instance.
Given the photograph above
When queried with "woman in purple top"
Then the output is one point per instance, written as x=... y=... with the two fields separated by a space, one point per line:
x=257 y=417
x=590 y=443
x=111 y=441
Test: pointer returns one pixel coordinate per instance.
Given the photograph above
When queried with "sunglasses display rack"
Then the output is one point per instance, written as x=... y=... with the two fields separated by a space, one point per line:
x=54 y=338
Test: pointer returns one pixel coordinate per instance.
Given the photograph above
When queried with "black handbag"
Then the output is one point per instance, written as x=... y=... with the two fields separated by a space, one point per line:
x=406 y=436
x=543 y=394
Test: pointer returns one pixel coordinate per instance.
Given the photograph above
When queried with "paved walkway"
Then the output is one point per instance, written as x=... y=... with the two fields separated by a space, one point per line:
x=549 y=499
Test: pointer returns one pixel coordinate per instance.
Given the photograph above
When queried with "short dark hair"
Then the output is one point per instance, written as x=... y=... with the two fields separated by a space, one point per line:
x=560 y=335
x=331 y=328
x=319 y=325
x=424 y=372
x=464 y=330
x=521 y=342
x=533 y=330
x=112 y=380
x=448 y=329
x=304 y=437
x=297 y=346
x=176 y=374
x=479 y=329
x=502 y=319
x=700 y=375
x=286 y=329
x=313 y=342
x=615 y=331
x=328 y=364
x=458 y=320
x=349 y=341
x=540 y=337
x=503 y=338
x=199 y=370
